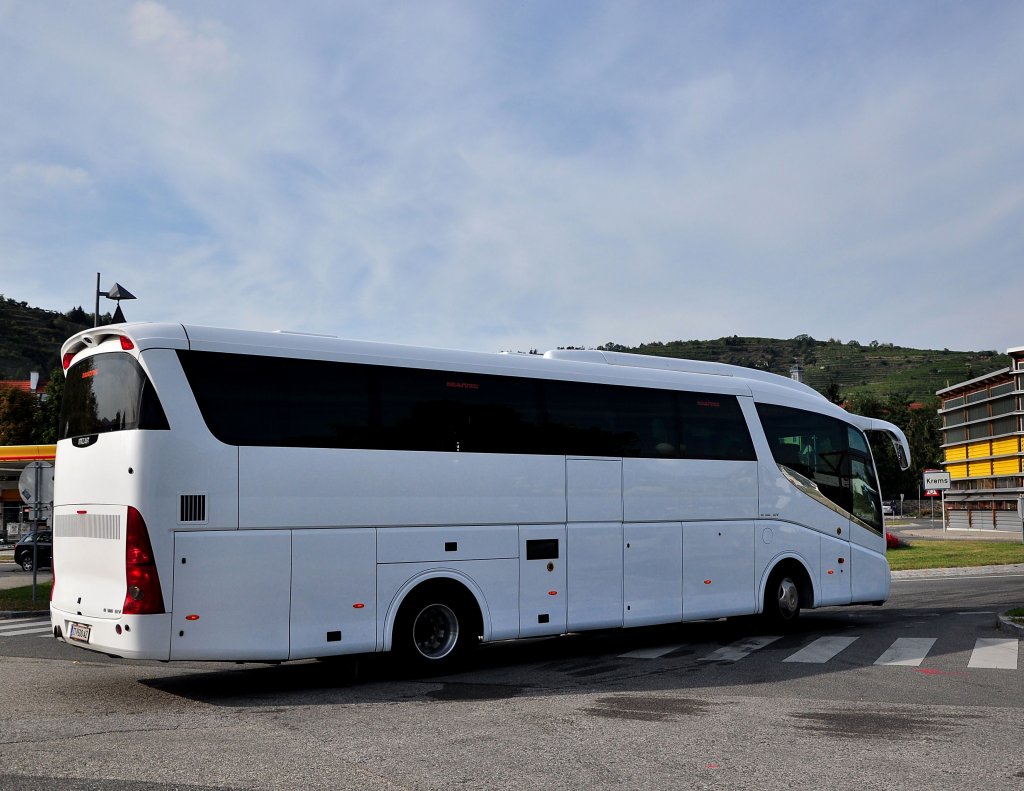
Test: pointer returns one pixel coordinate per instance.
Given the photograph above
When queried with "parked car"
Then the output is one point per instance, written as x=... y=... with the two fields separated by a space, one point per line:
x=42 y=541
x=887 y=510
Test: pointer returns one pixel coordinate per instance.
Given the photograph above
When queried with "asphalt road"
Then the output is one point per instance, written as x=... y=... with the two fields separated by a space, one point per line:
x=713 y=705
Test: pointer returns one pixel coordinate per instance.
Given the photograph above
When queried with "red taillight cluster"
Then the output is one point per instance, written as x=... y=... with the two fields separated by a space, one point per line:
x=68 y=357
x=143 y=596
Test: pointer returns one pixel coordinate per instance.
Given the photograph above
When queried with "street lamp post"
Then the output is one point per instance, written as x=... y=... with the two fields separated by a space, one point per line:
x=117 y=293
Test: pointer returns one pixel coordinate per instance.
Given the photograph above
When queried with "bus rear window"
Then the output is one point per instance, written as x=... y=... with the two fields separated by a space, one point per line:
x=108 y=392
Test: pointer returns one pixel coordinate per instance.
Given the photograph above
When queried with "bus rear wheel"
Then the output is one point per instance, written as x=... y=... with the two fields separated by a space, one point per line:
x=436 y=629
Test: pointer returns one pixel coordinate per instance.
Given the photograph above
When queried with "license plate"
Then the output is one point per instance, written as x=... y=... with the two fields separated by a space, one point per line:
x=79 y=632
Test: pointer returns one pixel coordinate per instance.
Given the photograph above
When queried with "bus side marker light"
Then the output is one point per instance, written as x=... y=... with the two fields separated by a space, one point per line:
x=552 y=593
x=830 y=571
x=707 y=582
x=358 y=605
x=192 y=617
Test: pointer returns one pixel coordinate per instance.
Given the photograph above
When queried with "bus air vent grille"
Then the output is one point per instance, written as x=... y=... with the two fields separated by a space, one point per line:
x=87 y=526
x=193 y=509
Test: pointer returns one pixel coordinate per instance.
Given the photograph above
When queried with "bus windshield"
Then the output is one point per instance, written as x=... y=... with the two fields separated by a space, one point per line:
x=108 y=392
x=832 y=456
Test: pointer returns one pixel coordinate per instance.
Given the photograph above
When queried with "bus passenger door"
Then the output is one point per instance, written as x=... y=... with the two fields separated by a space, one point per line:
x=835 y=571
x=652 y=571
x=542 y=593
x=231 y=594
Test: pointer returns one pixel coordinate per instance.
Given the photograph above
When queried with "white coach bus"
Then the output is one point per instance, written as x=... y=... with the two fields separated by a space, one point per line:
x=235 y=495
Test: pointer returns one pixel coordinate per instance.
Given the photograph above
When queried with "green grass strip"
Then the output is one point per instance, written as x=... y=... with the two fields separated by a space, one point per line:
x=21 y=598
x=954 y=554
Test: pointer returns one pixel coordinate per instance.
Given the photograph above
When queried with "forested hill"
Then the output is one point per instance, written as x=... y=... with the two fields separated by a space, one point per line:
x=30 y=340
x=840 y=370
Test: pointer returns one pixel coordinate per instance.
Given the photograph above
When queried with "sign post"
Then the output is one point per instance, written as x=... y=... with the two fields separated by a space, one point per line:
x=1020 y=513
x=36 y=488
x=937 y=481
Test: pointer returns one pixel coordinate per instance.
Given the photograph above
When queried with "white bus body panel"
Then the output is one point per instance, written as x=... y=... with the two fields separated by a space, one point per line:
x=718 y=569
x=333 y=593
x=660 y=490
x=447 y=544
x=834 y=572
x=231 y=595
x=349 y=488
x=594 y=575
x=593 y=490
x=542 y=581
x=870 y=573
x=653 y=573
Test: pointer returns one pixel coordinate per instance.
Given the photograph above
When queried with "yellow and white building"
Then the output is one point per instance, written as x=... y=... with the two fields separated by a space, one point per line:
x=983 y=448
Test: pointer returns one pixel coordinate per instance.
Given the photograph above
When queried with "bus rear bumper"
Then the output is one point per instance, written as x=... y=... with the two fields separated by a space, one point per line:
x=121 y=637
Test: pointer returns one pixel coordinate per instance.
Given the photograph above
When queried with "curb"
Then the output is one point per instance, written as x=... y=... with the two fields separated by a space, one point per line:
x=1010 y=626
x=958 y=571
x=9 y=615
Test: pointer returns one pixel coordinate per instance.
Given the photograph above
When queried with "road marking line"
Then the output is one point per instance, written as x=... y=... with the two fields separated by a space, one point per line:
x=821 y=650
x=16 y=633
x=999 y=653
x=741 y=648
x=650 y=653
x=24 y=624
x=907 y=651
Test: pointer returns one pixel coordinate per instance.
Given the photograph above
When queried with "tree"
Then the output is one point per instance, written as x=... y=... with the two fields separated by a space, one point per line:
x=48 y=413
x=17 y=416
x=920 y=422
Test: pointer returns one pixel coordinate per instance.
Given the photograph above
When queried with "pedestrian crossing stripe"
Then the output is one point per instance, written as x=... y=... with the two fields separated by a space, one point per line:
x=822 y=650
x=992 y=653
x=23 y=626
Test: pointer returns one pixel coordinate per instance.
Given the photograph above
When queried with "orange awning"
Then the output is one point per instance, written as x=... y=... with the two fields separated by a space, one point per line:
x=28 y=452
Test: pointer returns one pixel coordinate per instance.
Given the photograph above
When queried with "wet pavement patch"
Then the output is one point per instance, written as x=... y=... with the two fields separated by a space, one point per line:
x=877 y=724
x=647 y=709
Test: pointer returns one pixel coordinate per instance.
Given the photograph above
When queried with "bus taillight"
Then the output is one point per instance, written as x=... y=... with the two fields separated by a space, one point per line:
x=143 y=595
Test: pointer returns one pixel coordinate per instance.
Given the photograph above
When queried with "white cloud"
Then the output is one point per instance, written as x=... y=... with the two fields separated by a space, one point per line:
x=186 y=48
x=49 y=177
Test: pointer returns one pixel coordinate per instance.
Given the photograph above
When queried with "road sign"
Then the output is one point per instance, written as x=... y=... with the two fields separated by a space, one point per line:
x=36 y=483
x=936 y=479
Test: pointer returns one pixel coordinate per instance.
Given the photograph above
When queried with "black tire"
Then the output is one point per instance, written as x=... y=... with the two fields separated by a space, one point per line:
x=783 y=597
x=436 y=629
x=26 y=562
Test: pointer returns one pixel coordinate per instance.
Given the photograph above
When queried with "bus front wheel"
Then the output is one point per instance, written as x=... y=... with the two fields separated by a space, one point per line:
x=436 y=629
x=783 y=596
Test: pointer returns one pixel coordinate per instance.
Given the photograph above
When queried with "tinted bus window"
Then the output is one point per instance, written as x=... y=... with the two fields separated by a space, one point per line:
x=108 y=392
x=832 y=454
x=460 y=412
x=713 y=427
x=281 y=402
x=256 y=400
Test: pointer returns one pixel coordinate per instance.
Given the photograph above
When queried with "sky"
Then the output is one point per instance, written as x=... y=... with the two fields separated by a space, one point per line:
x=521 y=175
